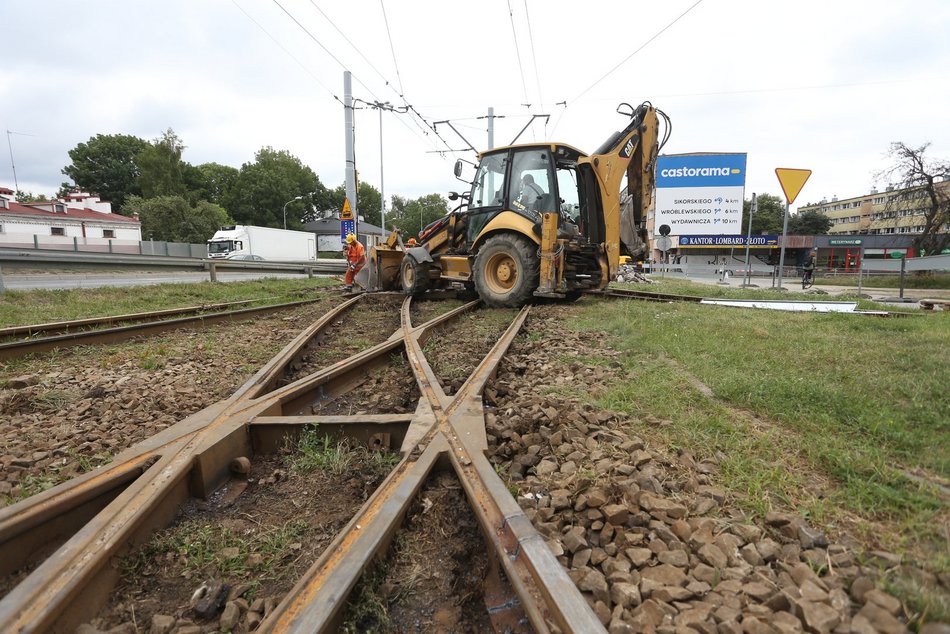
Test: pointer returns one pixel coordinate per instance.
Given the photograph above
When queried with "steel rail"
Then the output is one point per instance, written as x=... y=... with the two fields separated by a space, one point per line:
x=49 y=517
x=452 y=426
x=193 y=459
x=141 y=491
x=66 y=326
x=13 y=349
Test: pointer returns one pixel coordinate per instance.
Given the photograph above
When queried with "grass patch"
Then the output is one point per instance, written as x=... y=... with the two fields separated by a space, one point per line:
x=314 y=451
x=209 y=550
x=911 y=280
x=42 y=306
x=819 y=411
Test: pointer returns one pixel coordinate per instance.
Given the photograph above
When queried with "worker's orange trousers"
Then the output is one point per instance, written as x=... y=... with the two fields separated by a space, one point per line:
x=350 y=274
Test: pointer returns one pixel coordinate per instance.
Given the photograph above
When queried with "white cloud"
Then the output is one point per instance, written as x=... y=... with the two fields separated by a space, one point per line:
x=819 y=85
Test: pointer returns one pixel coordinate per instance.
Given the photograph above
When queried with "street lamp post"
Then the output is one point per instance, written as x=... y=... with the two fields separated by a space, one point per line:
x=285 y=208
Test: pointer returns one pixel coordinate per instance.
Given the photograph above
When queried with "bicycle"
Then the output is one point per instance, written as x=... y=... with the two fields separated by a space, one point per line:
x=808 y=278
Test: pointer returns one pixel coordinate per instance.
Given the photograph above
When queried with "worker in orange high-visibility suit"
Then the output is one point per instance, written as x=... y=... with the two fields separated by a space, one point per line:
x=355 y=259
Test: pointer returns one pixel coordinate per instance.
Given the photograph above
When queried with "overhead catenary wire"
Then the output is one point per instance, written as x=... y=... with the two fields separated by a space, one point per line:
x=342 y=65
x=392 y=49
x=284 y=49
x=624 y=61
x=534 y=56
x=514 y=37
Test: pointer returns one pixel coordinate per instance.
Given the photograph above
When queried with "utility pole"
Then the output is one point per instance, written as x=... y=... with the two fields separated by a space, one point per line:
x=491 y=127
x=350 y=134
x=380 y=106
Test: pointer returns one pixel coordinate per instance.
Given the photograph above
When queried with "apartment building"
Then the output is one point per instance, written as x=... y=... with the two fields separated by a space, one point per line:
x=891 y=212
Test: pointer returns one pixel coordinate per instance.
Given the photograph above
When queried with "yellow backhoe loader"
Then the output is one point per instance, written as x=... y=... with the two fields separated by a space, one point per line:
x=540 y=220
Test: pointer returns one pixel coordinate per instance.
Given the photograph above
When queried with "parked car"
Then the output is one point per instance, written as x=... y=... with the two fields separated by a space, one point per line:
x=255 y=258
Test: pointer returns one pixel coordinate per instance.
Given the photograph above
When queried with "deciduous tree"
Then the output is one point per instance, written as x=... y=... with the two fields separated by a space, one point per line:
x=809 y=223
x=923 y=184
x=161 y=171
x=262 y=187
x=105 y=165
x=767 y=217
x=411 y=215
x=174 y=219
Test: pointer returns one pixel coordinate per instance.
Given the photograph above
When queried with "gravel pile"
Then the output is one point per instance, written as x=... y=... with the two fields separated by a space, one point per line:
x=647 y=535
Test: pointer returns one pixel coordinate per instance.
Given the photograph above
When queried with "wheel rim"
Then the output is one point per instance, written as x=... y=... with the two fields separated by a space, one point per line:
x=501 y=272
x=408 y=277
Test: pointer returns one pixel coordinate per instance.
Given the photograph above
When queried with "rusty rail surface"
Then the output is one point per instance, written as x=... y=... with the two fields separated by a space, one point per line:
x=152 y=324
x=101 y=515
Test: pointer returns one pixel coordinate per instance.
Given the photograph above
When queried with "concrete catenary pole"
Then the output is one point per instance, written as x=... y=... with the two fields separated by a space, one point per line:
x=382 y=187
x=350 y=146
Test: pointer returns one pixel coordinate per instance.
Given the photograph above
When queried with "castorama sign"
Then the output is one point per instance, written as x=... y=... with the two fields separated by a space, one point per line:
x=699 y=194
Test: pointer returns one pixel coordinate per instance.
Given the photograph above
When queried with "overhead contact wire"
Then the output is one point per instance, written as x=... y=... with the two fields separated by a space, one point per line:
x=626 y=59
x=284 y=49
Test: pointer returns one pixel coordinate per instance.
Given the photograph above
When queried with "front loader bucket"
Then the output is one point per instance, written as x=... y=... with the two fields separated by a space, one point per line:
x=382 y=272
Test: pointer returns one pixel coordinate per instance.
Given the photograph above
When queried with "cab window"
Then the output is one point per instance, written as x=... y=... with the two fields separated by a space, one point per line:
x=569 y=202
x=489 y=186
x=531 y=188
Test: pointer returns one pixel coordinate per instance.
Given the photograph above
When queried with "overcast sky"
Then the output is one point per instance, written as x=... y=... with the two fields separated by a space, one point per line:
x=821 y=85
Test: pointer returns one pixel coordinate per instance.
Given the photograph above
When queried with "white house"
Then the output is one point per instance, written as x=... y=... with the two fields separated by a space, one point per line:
x=78 y=218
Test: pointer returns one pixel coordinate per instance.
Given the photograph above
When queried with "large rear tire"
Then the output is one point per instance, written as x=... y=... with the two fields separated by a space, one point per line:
x=413 y=276
x=506 y=270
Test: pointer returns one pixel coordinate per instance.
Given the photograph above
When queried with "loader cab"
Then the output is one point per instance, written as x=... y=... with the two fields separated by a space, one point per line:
x=530 y=181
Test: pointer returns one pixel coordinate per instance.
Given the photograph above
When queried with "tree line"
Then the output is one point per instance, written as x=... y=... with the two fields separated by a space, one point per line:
x=181 y=202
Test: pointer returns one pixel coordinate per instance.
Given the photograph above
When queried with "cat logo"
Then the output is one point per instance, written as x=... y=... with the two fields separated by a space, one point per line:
x=628 y=149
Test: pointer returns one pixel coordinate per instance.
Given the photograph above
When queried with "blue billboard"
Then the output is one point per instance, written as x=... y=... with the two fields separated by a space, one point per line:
x=699 y=194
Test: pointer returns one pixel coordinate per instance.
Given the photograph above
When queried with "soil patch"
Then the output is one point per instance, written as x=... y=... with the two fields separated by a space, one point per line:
x=69 y=412
x=456 y=348
x=257 y=545
x=432 y=580
x=362 y=326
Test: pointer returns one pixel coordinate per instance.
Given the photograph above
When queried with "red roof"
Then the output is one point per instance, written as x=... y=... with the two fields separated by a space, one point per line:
x=6 y=190
x=70 y=214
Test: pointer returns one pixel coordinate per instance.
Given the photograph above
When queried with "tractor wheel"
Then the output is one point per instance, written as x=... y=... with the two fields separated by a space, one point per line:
x=506 y=270
x=413 y=276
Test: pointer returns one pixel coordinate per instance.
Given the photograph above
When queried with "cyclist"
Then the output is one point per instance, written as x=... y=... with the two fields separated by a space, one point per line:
x=808 y=276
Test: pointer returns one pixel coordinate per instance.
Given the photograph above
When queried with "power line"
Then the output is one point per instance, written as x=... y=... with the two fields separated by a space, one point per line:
x=534 y=55
x=376 y=70
x=352 y=45
x=392 y=49
x=640 y=48
x=514 y=37
x=291 y=55
x=312 y=36
x=624 y=61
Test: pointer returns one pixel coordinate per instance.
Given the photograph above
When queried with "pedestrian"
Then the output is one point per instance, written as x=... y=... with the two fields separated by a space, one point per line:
x=355 y=259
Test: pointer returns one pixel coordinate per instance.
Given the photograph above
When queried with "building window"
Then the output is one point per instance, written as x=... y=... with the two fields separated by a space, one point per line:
x=3 y=203
x=108 y=233
x=57 y=231
x=60 y=208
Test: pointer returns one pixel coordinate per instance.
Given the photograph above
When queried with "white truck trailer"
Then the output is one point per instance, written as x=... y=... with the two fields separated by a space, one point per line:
x=276 y=245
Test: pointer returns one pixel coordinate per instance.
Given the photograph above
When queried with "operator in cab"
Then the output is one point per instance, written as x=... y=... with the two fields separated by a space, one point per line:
x=355 y=260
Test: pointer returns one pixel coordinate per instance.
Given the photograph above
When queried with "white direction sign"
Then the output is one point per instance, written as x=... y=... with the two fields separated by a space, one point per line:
x=700 y=194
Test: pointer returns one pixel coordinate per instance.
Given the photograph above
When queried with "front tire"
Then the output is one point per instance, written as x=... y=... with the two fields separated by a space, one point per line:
x=506 y=270
x=413 y=276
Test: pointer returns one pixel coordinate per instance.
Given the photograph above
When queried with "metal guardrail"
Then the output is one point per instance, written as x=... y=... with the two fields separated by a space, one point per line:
x=48 y=258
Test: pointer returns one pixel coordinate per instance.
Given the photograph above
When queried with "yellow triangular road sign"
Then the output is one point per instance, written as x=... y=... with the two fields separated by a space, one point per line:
x=792 y=181
x=347 y=213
